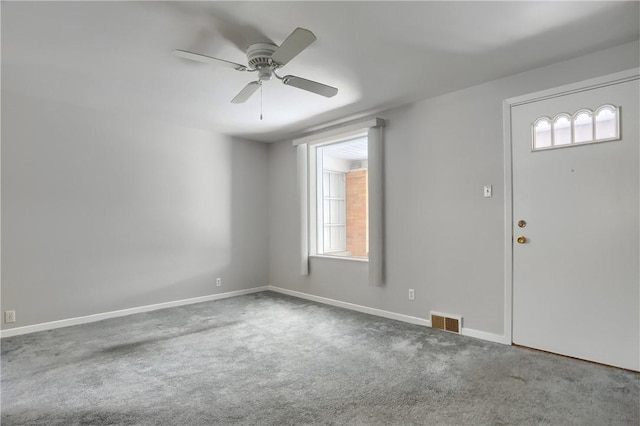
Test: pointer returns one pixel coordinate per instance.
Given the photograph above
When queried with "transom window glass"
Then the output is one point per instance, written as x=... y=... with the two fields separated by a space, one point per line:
x=542 y=133
x=606 y=123
x=562 y=130
x=583 y=127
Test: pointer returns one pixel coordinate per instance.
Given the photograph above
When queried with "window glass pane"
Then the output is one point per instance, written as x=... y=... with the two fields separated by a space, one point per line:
x=606 y=124
x=326 y=211
x=338 y=189
x=562 y=131
x=340 y=212
x=327 y=238
x=325 y=184
x=333 y=185
x=335 y=206
x=542 y=134
x=337 y=238
x=583 y=127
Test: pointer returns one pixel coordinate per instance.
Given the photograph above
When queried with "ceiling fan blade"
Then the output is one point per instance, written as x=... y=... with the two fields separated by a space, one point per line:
x=207 y=59
x=310 y=86
x=246 y=93
x=297 y=41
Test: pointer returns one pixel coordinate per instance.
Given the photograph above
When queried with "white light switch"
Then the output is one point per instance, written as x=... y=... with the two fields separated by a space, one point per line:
x=488 y=192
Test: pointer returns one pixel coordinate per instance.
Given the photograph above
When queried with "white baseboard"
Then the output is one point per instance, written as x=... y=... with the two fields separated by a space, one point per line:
x=483 y=335
x=352 y=306
x=324 y=300
x=106 y=315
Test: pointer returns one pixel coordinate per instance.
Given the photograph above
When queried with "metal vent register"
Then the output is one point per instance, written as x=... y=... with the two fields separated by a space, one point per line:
x=446 y=322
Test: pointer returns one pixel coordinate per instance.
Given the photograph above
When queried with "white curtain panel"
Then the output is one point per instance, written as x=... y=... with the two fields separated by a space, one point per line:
x=303 y=194
x=376 y=207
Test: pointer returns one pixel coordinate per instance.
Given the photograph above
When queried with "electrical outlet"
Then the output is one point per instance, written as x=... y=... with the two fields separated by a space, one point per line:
x=218 y=282
x=9 y=316
x=412 y=294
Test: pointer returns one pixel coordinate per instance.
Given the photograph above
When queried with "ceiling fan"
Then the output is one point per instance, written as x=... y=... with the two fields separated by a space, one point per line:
x=265 y=59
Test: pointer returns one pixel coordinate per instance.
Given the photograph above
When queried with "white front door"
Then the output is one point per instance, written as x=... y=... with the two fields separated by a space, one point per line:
x=576 y=273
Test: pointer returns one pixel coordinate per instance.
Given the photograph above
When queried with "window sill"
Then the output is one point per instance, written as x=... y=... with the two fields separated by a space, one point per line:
x=351 y=259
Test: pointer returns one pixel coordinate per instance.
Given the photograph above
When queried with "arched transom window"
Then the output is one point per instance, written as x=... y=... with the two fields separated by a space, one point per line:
x=583 y=127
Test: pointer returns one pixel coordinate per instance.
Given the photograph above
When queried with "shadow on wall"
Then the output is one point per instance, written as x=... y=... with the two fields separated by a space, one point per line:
x=222 y=206
x=226 y=216
x=249 y=216
x=104 y=212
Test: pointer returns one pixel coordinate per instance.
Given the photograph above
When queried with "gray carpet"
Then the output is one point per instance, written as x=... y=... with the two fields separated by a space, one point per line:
x=269 y=359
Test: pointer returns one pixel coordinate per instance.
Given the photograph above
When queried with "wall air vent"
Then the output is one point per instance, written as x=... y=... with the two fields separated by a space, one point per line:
x=446 y=322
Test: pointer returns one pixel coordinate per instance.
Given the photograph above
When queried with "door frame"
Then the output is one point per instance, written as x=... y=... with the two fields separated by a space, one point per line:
x=507 y=105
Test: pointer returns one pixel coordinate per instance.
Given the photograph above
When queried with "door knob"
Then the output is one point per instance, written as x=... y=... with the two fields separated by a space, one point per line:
x=521 y=239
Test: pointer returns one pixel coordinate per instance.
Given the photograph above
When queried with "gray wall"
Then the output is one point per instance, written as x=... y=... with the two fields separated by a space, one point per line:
x=442 y=237
x=102 y=212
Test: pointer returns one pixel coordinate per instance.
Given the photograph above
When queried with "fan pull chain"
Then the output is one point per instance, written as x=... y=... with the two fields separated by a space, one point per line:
x=261 y=100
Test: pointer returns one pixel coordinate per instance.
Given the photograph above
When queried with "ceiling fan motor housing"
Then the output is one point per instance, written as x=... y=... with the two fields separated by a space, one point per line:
x=259 y=58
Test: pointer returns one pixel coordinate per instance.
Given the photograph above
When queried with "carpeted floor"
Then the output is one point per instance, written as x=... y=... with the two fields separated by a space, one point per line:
x=269 y=359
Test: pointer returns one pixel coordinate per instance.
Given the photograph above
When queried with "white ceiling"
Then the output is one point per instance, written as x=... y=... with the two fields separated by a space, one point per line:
x=116 y=55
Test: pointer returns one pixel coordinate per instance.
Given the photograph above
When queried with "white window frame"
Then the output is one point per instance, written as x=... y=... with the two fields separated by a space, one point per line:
x=315 y=225
x=306 y=156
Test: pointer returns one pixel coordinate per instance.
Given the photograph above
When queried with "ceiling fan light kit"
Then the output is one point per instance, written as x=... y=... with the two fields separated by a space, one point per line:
x=265 y=59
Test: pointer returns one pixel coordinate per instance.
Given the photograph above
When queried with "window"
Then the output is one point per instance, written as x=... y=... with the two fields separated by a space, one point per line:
x=341 y=193
x=340 y=188
x=583 y=127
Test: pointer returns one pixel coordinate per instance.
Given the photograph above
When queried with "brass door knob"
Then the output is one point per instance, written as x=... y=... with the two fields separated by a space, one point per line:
x=521 y=239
